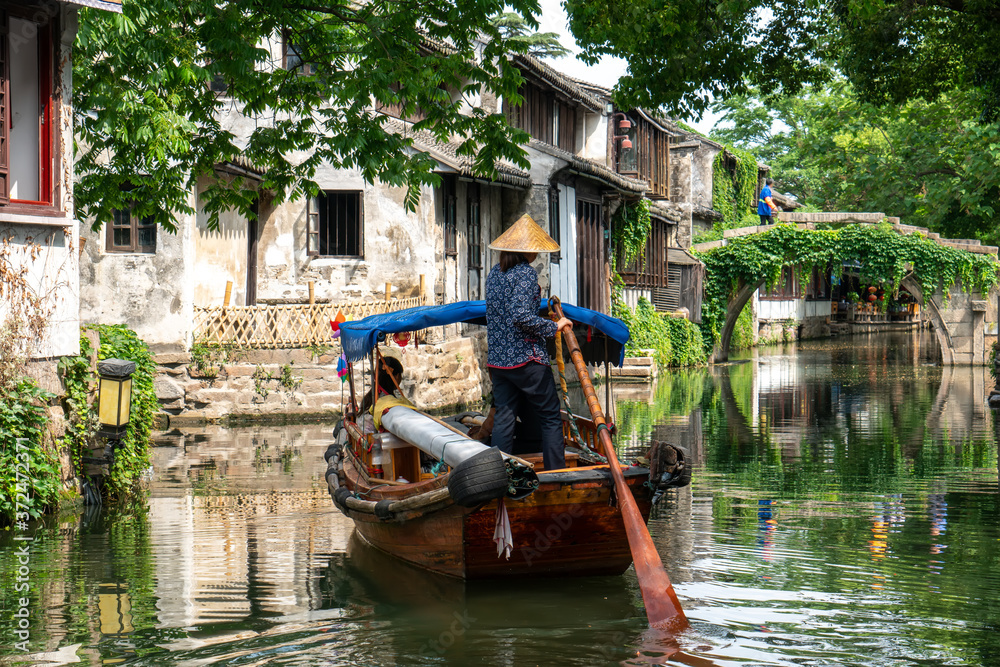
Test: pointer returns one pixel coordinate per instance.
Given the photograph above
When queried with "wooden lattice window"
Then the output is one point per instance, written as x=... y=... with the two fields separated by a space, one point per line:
x=539 y=114
x=650 y=270
x=649 y=157
x=129 y=233
x=336 y=224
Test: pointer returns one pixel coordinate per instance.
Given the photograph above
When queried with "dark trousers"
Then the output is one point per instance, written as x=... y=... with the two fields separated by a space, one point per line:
x=517 y=390
x=766 y=220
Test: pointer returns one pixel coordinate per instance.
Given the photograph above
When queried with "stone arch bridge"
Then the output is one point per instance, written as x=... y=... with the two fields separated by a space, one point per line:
x=965 y=324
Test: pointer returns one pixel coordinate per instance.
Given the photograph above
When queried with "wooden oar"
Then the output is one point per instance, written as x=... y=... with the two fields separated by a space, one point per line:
x=663 y=609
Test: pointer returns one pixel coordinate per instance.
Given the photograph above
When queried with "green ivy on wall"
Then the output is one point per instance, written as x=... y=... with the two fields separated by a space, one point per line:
x=743 y=334
x=734 y=193
x=29 y=470
x=677 y=341
x=886 y=257
x=630 y=229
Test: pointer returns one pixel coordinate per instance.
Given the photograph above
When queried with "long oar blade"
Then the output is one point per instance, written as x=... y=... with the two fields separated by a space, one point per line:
x=663 y=609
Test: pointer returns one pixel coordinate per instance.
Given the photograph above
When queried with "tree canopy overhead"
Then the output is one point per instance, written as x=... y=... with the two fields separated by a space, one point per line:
x=681 y=54
x=924 y=161
x=301 y=83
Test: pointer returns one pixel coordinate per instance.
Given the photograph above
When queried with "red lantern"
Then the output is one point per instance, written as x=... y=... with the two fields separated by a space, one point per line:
x=872 y=297
x=872 y=289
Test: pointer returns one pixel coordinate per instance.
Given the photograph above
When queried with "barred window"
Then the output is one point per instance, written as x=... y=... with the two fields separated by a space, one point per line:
x=336 y=224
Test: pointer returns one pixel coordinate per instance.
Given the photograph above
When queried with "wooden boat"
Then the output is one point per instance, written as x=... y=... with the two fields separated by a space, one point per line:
x=562 y=522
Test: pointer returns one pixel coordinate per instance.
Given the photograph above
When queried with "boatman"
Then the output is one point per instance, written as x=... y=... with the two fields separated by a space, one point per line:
x=515 y=333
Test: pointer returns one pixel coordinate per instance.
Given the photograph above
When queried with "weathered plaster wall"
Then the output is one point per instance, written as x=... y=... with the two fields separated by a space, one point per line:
x=399 y=245
x=219 y=256
x=701 y=174
x=54 y=272
x=151 y=293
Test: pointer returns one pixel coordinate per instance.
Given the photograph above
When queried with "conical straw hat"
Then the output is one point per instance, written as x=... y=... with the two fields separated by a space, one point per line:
x=525 y=236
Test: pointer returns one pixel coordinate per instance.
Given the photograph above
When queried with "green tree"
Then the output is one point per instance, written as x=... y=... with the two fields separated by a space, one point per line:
x=303 y=78
x=540 y=44
x=924 y=161
x=682 y=55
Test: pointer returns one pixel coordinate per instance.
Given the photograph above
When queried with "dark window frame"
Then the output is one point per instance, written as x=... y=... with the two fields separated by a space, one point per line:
x=124 y=222
x=544 y=115
x=652 y=269
x=787 y=289
x=555 y=227
x=348 y=228
x=474 y=235
x=290 y=50
x=651 y=149
x=449 y=212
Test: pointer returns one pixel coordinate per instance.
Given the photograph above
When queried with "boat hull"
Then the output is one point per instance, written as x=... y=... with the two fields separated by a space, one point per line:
x=570 y=526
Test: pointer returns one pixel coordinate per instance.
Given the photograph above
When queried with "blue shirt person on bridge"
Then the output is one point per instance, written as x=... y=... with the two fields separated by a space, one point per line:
x=766 y=206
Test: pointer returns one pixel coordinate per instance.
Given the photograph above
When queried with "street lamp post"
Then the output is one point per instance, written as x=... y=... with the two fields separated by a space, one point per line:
x=114 y=404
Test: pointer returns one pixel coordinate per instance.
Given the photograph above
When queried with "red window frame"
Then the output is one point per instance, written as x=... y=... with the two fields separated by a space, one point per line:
x=47 y=117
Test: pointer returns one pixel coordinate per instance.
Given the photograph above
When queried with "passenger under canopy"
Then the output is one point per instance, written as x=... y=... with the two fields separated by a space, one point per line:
x=596 y=331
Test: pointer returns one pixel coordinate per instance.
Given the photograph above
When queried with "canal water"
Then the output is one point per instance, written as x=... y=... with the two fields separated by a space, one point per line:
x=844 y=511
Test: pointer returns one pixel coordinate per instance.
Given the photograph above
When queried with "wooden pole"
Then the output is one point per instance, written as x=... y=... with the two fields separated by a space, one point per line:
x=388 y=292
x=663 y=609
x=312 y=293
x=423 y=289
x=350 y=381
x=229 y=293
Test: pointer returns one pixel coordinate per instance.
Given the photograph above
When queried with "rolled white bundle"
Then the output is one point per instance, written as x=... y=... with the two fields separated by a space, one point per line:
x=429 y=436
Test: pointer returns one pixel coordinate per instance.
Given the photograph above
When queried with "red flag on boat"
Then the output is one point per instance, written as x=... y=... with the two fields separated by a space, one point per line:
x=336 y=322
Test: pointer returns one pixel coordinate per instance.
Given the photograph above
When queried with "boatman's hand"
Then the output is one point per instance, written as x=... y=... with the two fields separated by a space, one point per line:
x=563 y=324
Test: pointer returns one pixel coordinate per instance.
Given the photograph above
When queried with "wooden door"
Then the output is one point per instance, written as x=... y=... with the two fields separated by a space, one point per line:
x=591 y=259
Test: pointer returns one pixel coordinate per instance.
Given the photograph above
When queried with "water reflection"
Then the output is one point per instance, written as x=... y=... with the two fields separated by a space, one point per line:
x=844 y=510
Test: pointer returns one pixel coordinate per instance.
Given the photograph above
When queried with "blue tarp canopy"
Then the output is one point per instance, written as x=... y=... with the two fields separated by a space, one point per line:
x=596 y=332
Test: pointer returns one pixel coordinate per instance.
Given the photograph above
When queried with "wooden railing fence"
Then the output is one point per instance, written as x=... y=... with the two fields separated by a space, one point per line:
x=280 y=326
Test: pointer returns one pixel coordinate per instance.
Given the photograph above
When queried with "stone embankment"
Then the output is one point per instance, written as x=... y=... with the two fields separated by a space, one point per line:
x=299 y=384
x=636 y=369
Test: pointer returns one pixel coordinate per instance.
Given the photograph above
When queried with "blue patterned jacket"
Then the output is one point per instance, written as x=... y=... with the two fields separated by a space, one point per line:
x=515 y=333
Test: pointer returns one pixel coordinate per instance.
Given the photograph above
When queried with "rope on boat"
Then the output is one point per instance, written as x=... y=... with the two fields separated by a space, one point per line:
x=564 y=393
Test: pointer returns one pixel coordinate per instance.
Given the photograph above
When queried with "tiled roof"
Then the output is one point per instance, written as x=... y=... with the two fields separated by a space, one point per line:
x=681 y=256
x=110 y=5
x=666 y=210
x=705 y=213
x=592 y=169
x=446 y=152
x=565 y=84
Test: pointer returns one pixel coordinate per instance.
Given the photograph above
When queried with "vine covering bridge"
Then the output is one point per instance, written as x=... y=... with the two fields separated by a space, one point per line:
x=955 y=279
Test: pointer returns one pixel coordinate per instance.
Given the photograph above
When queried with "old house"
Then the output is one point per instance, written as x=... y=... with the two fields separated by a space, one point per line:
x=38 y=234
x=575 y=187
x=674 y=166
